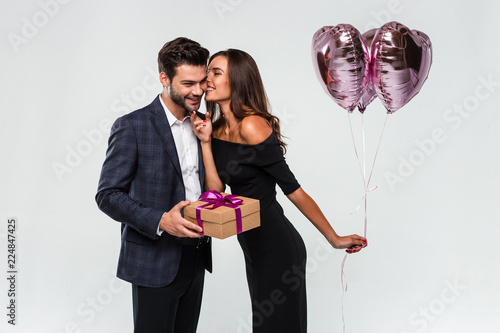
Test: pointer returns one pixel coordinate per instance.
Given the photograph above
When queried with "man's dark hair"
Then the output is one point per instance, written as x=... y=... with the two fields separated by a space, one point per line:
x=181 y=51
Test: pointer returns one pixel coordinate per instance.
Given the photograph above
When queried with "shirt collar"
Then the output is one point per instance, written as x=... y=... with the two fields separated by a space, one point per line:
x=170 y=117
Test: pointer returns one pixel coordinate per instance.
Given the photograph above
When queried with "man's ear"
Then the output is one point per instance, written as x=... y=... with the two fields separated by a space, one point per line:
x=165 y=81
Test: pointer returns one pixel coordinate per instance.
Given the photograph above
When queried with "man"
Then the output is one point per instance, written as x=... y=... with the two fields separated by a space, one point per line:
x=153 y=169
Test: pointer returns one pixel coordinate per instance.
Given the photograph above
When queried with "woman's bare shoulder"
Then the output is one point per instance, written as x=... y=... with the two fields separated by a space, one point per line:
x=255 y=129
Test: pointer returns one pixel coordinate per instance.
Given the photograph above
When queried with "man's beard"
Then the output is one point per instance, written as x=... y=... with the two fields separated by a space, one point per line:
x=181 y=101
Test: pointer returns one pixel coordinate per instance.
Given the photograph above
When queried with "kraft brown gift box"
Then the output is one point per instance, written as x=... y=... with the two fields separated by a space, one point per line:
x=221 y=221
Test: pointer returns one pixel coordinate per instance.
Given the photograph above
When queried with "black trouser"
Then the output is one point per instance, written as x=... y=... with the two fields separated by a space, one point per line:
x=174 y=308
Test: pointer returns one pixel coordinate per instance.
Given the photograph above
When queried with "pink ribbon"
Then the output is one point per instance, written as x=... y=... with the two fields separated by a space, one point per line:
x=214 y=199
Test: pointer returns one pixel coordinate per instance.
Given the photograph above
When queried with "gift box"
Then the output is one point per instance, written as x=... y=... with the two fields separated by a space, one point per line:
x=222 y=215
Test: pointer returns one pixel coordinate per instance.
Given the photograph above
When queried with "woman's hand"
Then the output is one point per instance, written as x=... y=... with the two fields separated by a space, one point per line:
x=353 y=243
x=202 y=128
x=308 y=207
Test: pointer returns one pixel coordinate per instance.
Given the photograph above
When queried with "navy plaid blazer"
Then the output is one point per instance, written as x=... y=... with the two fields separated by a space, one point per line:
x=140 y=180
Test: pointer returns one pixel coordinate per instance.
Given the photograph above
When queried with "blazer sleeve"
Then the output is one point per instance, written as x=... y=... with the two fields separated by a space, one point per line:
x=117 y=174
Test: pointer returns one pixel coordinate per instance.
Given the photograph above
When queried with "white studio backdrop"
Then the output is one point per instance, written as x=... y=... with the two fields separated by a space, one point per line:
x=70 y=68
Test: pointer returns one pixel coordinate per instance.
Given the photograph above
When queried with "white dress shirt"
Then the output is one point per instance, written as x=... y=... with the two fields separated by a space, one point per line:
x=186 y=144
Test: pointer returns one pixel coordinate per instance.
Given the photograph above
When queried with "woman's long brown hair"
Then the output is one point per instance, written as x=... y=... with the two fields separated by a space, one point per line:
x=248 y=96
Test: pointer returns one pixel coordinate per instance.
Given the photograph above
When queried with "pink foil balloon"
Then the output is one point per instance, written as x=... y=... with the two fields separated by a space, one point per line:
x=340 y=61
x=369 y=93
x=401 y=60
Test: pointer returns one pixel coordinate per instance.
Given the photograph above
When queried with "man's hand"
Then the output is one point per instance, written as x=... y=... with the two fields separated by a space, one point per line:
x=173 y=223
x=202 y=128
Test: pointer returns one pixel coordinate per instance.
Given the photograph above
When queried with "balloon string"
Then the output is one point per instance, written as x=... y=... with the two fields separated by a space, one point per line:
x=343 y=278
x=371 y=173
x=362 y=169
x=364 y=147
x=366 y=183
x=356 y=150
x=363 y=199
x=376 y=152
x=344 y=289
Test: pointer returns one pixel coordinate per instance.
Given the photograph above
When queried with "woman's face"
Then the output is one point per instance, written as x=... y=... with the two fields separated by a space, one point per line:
x=218 y=89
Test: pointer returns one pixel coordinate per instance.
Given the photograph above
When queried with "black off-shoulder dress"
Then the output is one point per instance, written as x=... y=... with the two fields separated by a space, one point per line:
x=275 y=254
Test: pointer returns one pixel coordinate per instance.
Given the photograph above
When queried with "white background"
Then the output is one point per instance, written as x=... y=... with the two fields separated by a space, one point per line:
x=70 y=68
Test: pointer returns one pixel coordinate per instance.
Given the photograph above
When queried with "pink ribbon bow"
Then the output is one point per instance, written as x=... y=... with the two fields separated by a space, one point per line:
x=214 y=199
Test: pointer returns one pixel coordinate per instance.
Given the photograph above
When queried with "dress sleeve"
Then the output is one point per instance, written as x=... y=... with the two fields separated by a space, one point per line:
x=271 y=159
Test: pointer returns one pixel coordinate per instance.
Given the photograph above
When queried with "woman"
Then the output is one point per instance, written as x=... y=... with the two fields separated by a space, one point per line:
x=243 y=148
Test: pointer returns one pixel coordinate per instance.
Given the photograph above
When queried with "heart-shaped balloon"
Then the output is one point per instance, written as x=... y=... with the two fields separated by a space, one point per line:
x=401 y=60
x=369 y=93
x=340 y=61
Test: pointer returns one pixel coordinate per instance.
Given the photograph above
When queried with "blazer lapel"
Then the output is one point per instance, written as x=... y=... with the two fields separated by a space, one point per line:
x=162 y=128
x=201 y=167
